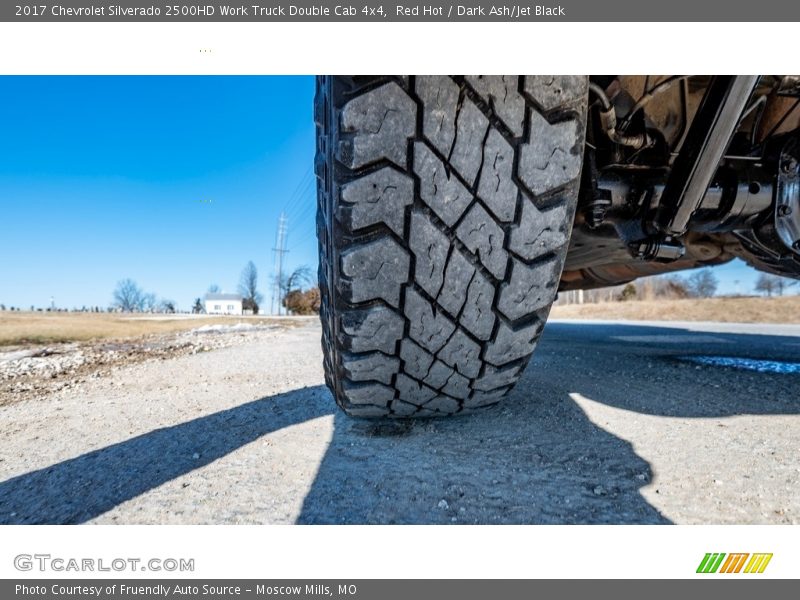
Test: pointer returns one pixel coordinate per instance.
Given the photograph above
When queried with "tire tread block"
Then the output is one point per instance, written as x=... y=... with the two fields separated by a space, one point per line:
x=501 y=91
x=376 y=328
x=374 y=270
x=484 y=238
x=439 y=95
x=439 y=189
x=430 y=247
x=380 y=197
x=378 y=123
x=529 y=289
x=370 y=367
x=442 y=238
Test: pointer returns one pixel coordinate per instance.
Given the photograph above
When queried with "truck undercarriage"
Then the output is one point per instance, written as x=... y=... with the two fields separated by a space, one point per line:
x=687 y=171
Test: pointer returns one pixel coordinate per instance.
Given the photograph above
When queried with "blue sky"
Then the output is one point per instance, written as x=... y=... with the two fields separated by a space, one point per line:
x=175 y=182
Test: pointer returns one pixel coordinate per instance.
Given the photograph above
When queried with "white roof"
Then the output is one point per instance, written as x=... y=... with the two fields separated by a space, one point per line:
x=236 y=297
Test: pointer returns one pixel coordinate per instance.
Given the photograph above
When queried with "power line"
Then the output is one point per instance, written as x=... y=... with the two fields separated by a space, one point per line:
x=302 y=186
x=309 y=208
x=307 y=230
x=301 y=203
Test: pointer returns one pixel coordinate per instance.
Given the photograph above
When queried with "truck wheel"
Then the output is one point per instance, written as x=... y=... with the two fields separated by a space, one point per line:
x=445 y=208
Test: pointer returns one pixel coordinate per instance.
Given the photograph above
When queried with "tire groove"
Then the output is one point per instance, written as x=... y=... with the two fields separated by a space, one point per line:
x=336 y=237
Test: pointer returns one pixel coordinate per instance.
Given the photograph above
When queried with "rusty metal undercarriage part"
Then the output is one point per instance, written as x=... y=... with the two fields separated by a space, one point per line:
x=683 y=172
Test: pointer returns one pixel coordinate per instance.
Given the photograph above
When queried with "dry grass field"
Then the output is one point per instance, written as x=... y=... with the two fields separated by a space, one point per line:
x=22 y=328
x=19 y=328
x=784 y=309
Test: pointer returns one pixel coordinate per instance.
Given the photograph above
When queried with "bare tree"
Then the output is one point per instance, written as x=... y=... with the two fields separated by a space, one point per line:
x=702 y=284
x=248 y=288
x=772 y=284
x=765 y=284
x=213 y=289
x=298 y=279
x=197 y=308
x=149 y=302
x=780 y=285
x=128 y=296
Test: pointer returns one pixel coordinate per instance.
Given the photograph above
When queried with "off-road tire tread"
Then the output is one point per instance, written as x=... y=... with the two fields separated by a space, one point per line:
x=445 y=205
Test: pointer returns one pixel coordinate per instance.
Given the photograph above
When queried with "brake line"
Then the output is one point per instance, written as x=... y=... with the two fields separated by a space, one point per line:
x=608 y=121
x=647 y=97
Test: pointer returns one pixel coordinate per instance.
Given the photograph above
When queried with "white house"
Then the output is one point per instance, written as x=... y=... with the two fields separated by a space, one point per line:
x=223 y=304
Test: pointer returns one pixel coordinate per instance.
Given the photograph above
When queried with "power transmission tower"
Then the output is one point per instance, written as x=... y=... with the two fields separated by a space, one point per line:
x=279 y=250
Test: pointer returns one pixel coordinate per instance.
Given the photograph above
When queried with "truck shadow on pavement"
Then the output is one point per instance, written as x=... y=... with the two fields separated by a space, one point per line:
x=654 y=370
x=536 y=458
x=533 y=459
x=544 y=464
x=84 y=487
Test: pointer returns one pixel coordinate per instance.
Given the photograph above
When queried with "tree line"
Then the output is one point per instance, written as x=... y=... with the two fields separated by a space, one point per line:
x=702 y=283
x=296 y=293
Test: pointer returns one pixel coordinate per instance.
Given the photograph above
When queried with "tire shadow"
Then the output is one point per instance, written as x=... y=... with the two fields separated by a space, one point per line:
x=536 y=458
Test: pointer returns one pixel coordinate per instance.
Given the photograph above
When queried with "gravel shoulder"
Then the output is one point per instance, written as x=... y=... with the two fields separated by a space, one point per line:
x=609 y=424
x=31 y=371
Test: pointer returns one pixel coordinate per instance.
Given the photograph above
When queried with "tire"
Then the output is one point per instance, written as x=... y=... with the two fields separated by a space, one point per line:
x=445 y=208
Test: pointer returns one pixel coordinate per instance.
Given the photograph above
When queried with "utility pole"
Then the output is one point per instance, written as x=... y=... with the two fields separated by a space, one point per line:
x=274 y=271
x=279 y=250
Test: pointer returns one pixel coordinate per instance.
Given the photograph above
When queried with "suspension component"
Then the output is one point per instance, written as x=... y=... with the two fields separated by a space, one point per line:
x=789 y=86
x=787 y=197
x=700 y=155
x=659 y=250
